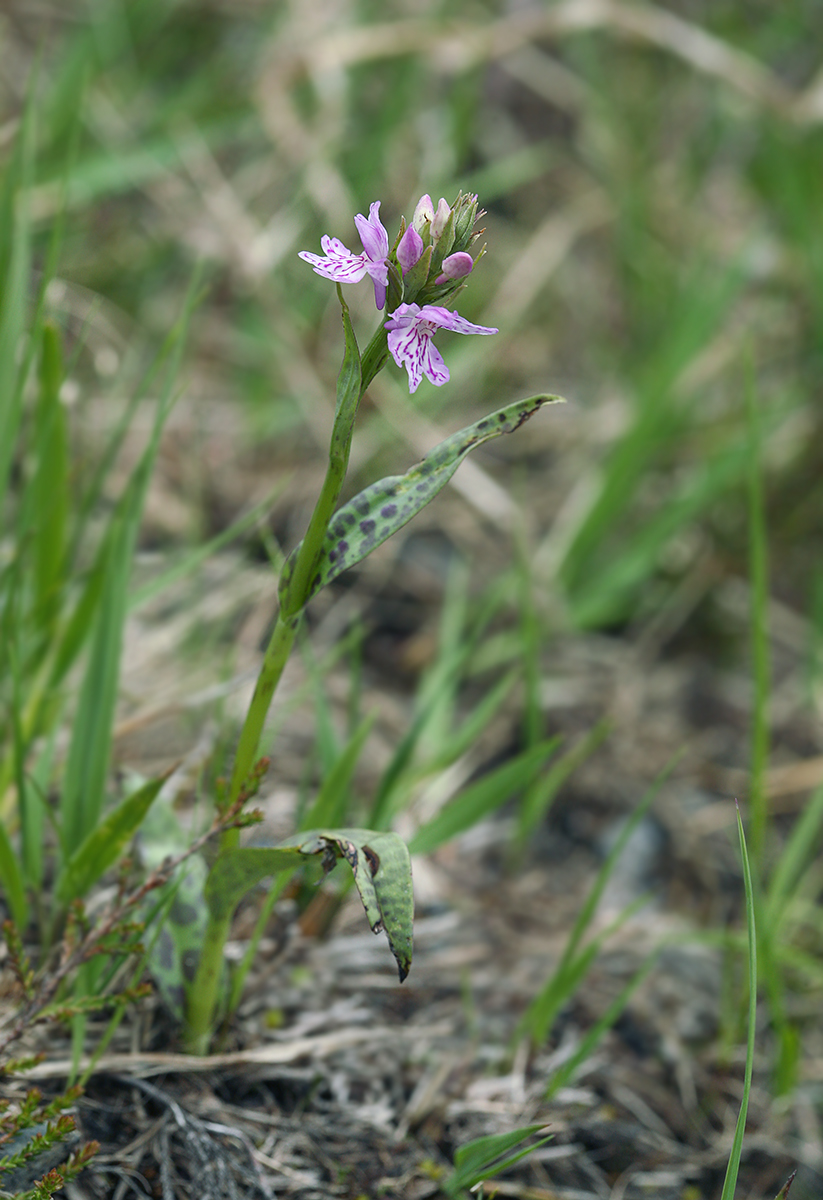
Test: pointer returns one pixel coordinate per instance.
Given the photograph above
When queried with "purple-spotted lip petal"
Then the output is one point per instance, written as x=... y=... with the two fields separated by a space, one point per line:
x=338 y=269
x=411 y=329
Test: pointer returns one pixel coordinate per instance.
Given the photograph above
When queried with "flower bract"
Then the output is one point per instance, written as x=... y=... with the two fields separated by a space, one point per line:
x=341 y=266
x=411 y=329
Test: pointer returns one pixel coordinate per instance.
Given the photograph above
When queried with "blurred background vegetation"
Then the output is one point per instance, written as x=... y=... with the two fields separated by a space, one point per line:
x=653 y=179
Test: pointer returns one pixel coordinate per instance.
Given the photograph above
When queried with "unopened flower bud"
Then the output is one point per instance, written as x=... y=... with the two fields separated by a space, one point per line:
x=455 y=267
x=409 y=249
x=440 y=218
x=423 y=213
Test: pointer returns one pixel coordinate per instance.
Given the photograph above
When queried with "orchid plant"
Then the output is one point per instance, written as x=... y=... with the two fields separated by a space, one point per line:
x=416 y=280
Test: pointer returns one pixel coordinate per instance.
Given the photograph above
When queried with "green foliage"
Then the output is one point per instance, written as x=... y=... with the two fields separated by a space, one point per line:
x=483 y=797
x=106 y=842
x=484 y=1157
x=32 y=1139
x=381 y=509
x=730 y=1181
x=703 y=230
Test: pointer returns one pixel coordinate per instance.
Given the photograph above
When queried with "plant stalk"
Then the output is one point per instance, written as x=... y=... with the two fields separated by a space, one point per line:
x=202 y=998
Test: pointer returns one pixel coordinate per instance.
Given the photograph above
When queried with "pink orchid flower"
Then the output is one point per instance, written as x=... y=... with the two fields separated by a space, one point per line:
x=341 y=266
x=411 y=329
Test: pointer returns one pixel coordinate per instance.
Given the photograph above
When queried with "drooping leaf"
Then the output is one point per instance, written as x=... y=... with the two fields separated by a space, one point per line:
x=380 y=864
x=377 y=512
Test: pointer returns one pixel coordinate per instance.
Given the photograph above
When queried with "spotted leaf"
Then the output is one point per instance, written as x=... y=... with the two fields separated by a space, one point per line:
x=381 y=509
x=380 y=864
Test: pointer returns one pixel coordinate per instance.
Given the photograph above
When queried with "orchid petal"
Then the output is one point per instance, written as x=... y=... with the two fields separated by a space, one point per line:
x=379 y=294
x=373 y=235
x=434 y=368
x=411 y=329
x=409 y=249
x=339 y=270
x=443 y=317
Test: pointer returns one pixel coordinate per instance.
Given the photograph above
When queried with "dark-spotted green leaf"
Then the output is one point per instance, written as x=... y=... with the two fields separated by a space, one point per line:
x=381 y=867
x=106 y=842
x=381 y=509
x=380 y=864
x=239 y=868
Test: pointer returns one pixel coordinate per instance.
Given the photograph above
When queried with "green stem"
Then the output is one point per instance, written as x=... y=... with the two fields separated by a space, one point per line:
x=375 y=357
x=201 y=1001
x=274 y=662
x=203 y=995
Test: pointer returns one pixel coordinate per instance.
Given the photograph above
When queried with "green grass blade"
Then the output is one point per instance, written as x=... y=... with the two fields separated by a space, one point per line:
x=12 y=880
x=29 y=807
x=87 y=764
x=758 y=575
x=568 y=977
x=593 y=1036
x=469 y=733
x=482 y=797
x=329 y=807
x=15 y=273
x=486 y=1156
x=538 y=799
x=796 y=857
x=786 y=1188
x=88 y=757
x=106 y=842
x=697 y=306
x=730 y=1181
x=571 y=968
x=50 y=497
x=191 y=560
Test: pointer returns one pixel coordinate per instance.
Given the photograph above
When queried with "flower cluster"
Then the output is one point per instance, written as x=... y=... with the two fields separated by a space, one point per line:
x=429 y=259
